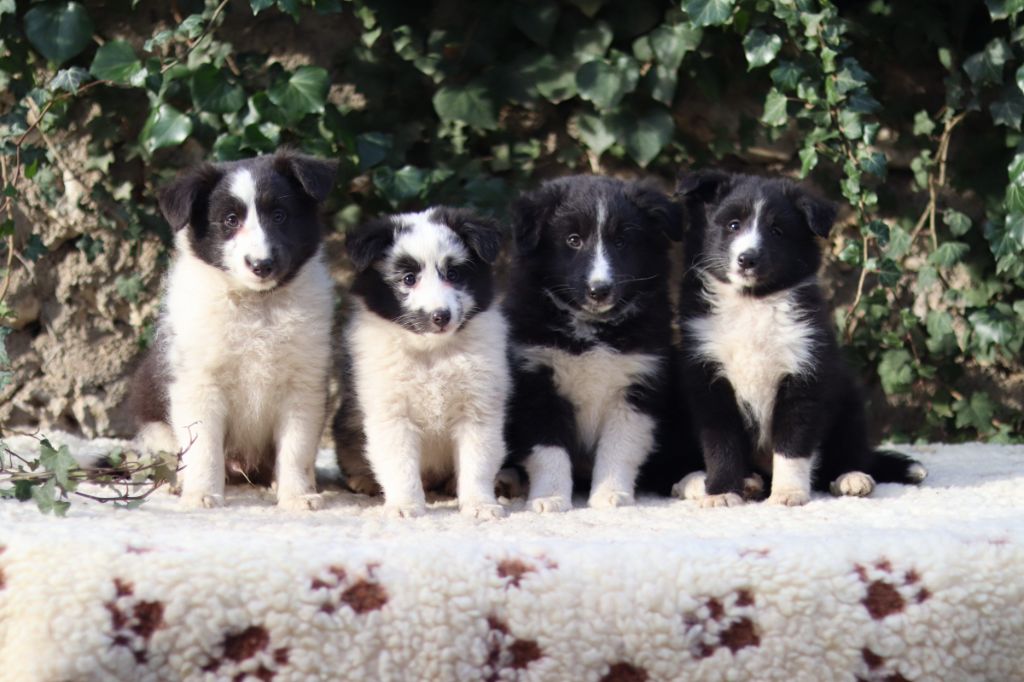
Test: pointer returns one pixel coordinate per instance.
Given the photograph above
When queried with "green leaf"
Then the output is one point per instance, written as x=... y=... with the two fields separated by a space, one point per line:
x=69 y=80
x=850 y=77
x=115 y=61
x=1015 y=188
x=34 y=248
x=808 y=160
x=60 y=462
x=992 y=326
x=709 y=12
x=1020 y=78
x=948 y=254
x=165 y=127
x=1003 y=9
x=987 y=66
x=786 y=76
x=941 y=339
x=472 y=104
x=593 y=131
x=260 y=5
x=896 y=371
x=592 y=41
x=399 y=186
x=923 y=123
x=554 y=80
x=645 y=135
x=957 y=222
x=1008 y=110
x=670 y=43
x=537 y=20
x=212 y=92
x=128 y=287
x=761 y=48
x=303 y=92
x=775 y=109
x=604 y=83
x=372 y=148
x=58 y=30
x=976 y=412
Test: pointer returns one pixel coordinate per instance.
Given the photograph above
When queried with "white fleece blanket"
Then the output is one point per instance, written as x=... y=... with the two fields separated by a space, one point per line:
x=911 y=584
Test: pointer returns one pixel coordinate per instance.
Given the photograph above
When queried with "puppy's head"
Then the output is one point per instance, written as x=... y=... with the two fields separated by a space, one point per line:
x=758 y=235
x=595 y=244
x=256 y=219
x=429 y=272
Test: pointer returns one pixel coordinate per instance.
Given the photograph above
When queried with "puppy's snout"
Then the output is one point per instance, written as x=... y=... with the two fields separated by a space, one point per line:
x=261 y=267
x=440 y=318
x=748 y=260
x=599 y=292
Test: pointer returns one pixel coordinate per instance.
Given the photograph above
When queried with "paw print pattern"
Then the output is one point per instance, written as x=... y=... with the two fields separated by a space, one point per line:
x=876 y=669
x=362 y=595
x=722 y=622
x=507 y=655
x=888 y=591
x=624 y=672
x=513 y=570
x=133 y=620
x=247 y=654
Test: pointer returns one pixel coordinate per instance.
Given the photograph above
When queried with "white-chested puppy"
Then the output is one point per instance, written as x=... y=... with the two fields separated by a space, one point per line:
x=427 y=375
x=241 y=356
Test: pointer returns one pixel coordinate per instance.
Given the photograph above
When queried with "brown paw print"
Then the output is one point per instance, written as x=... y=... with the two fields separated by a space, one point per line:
x=624 y=672
x=722 y=622
x=876 y=669
x=515 y=569
x=247 y=654
x=134 y=621
x=889 y=591
x=362 y=595
x=507 y=655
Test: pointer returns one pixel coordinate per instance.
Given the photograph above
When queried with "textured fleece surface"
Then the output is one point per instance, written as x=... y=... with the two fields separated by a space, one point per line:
x=910 y=584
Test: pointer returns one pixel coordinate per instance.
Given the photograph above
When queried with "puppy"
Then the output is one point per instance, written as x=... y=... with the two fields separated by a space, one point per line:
x=767 y=386
x=590 y=320
x=241 y=356
x=427 y=374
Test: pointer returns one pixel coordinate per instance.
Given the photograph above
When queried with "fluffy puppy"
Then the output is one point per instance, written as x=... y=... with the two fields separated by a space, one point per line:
x=427 y=375
x=242 y=349
x=591 y=335
x=767 y=386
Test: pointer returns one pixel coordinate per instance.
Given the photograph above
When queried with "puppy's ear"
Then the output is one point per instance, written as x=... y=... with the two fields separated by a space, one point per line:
x=180 y=199
x=483 y=235
x=529 y=214
x=820 y=214
x=367 y=243
x=704 y=185
x=658 y=208
x=316 y=176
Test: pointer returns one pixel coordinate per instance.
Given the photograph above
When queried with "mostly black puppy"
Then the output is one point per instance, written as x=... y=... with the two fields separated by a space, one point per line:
x=767 y=387
x=591 y=340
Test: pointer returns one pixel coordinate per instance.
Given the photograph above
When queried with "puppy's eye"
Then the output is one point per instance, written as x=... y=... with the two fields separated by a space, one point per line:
x=733 y=225
x=453 y=276
x=409 y=279
x=231 y=220
x=619 y=242
x=776 y=231
x=574 y=241
x=278 y=216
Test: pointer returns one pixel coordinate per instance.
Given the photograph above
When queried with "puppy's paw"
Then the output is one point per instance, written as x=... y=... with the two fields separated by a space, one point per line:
x=691 y=487
x=405 y=511
x=606 y=499
x=191 y=500
x=789 y=498
x=482 y=510
x=722 y=500
x=853 y=483
x=305 y=502
x=753 y=487
x=553 y=503
x=363 y=485
x=916 y=472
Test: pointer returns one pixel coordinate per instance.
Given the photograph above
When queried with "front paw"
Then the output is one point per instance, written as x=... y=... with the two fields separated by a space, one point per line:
x=691 y=487
x=606 y=499
x=854 y=484
x=789 y=498
x=304 y=502
x=721 y=500
x=363 y=485
x=482 y=510
x=193 y=500
x=405 y=510
x=552 y=503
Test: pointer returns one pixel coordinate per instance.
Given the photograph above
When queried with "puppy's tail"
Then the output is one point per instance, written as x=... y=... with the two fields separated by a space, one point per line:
x=895 y=467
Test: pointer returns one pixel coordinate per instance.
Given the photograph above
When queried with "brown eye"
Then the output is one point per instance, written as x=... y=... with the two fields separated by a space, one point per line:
x=619 y=242
x=776 y=231
x=453 y=276
x=733 y=225
x=409 y=279
x=231 y=220
x=278 y=216
x=574 y=241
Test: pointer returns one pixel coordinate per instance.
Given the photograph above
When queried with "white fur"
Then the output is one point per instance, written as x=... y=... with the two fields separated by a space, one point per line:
x=791 y=480
x=600 y=269
x=432 y=403
x=853 y=483
x=596 y=383
x=757 y=342
x=248 y=375
x=251 y=239
x=550 y=472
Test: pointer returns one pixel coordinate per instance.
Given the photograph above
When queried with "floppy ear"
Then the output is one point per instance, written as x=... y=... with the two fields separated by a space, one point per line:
x=180 y=199
x=820 y=214
x=702 y=185
x=368 y=242
x=316 y=176
x=660 y=209
x=483 y=235
x=529 y=214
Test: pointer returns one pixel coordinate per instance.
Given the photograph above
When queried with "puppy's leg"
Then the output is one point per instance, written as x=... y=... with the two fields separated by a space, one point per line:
x=798 y=426
x=393 y=449
x=550 y=472
x=791 y=480
x=198 y=415
x=480 y=448
x=626 y=441
x=297 y=435
x=723 y=436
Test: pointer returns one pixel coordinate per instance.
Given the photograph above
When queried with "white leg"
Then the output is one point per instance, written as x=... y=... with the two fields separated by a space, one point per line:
x=198 y=413
x=626 y=440
x=480 y=448
x=393 y=450
x=296 y=438
x=691 y=486
x=550 y=471
x=791 y=480
x=854 y=484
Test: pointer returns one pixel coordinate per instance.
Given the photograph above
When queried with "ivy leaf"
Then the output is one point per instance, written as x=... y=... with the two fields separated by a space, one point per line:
x=645 y=135
x=808 y=160
x=593 y=131
x=941 y=339
x=774 y=109
x=1004 y=9
x=537 y=20
x=212 y=92
x=1008 y=110
x=670 y=43
x=260 y=5
x=896 y=371
x=786 y=76
x=60 y=462
x=923 y=123
x=987 y=66
x=957 y=222
x=165 y=127
x=1015 y=188
x=304 y=92
x=1020 y=78
x=761 y=48
x=69 y=80
x=115 y=61
x=709 y=12
x=976 y=412
x=592 y=41
x=399 y=186
x=604 y=83
x=850 y=77
x=992 y=326
x=471 y=104
x=555 y=80
x=58 y=30
x=372 y=148
x=948 y=254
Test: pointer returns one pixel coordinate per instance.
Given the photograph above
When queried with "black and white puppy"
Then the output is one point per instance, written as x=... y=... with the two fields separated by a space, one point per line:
x=427 y=374
x=768 y=389
x=590 y=320
x=241 y=355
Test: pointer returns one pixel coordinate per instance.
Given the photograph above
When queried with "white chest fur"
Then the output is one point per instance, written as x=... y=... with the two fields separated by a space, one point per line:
x=756 y=342
x=595 y=382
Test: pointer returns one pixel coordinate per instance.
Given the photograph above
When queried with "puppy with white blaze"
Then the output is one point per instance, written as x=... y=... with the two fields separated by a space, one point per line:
x=591 y=336
x=768 y=390
x=426 y=372
x=241 y=356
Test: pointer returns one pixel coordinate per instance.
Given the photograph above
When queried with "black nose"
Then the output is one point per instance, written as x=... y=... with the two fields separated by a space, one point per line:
x=747 y=260
x=261 y=267
x=441 y=318
x=599 y=292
